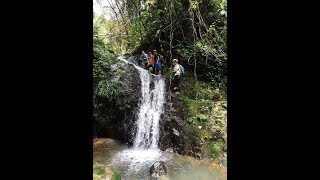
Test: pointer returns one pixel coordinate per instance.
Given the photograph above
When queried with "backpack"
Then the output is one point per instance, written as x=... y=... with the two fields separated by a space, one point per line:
x=181 y=70
x=158 y=65
x=143 y=57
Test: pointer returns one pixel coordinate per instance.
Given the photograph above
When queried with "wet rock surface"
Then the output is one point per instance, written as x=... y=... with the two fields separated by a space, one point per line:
x=115 y=118
x=175 y=133
x=158 y=170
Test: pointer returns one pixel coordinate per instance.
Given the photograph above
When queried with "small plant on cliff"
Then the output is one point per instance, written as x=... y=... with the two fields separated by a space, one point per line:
x=214 y=150
x=200 y=119
x=102 y=59
x=116 y=176
x=108 y=89
x=98 y=170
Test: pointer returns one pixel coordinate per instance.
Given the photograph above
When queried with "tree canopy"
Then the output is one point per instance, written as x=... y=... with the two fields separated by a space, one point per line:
x=193 y=31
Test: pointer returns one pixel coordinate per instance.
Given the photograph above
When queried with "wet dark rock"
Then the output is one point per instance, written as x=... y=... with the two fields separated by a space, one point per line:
x=175 y=132
x=116 y=118
x=158 y=169
x=198 y=155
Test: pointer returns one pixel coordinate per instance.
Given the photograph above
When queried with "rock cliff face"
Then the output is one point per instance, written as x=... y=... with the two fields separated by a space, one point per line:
x=175 y=133
x=116 y=117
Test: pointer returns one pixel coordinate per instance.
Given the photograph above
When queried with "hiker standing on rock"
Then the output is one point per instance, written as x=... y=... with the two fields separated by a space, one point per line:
x=158 y=62
x=158 y=58
x=151 y=63
x=176 y=76
x=143 y=59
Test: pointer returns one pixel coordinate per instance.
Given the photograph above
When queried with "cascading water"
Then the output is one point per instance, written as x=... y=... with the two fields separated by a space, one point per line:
x=151 y=107
x=145 y=149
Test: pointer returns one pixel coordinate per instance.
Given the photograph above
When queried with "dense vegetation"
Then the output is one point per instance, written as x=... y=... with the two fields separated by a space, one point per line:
x=193 y=31
x=102 y=59
x=208 y=114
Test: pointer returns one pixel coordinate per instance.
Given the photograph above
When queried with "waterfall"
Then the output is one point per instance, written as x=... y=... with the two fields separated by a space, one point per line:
x=145 y=150
x=151 y=107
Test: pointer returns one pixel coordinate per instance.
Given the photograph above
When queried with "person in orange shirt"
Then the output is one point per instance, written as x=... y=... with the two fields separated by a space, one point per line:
x=151 y=62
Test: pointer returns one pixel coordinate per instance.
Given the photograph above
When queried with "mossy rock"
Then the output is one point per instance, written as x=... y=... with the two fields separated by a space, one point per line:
x=202 y=117
x=191 y=104
x=111 y=173
x=215 y=149
x=101 y=172
x=98 y=169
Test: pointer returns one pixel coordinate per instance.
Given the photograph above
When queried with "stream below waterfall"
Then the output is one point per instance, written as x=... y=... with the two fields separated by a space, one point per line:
x=134 y=164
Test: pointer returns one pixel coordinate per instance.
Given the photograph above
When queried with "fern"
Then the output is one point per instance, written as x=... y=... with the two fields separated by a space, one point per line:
x=108 y=89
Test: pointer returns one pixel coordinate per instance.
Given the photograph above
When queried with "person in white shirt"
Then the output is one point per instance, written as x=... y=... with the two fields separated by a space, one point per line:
x=176 y=76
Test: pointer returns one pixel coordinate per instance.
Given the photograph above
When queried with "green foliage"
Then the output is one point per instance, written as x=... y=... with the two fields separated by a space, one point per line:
x=191 y=104
x=143 y=27
x=116 y=176
x=202 y=118
x=198 y=133
x=209 y=94
x=207 y=115
x=214 y=149
x=194 y=4
x=198 y=120
x=98 y=169
x=210 y=61
x=185 y=51
x=207 y=135
x=211 y=47
x=219 y=120
x=108 y=89
x=135 y=29
x=191 y=120
x=101 y=172
x=204 y=48
x=102 y=59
